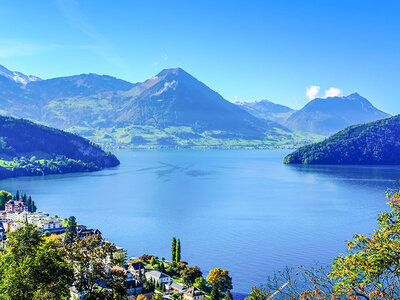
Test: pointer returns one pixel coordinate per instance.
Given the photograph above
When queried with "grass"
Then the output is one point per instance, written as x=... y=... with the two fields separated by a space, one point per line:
x=149 y=137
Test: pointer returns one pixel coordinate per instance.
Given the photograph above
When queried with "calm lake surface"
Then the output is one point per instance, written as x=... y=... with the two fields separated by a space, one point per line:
x=240 y=210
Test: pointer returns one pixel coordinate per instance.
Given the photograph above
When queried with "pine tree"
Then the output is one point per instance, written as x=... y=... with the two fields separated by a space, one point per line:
x=214 y=293
x=24 y=198
x=17 y=196
x=173 y=250
x=228 y=295
x=178 y=251
x=70 y=231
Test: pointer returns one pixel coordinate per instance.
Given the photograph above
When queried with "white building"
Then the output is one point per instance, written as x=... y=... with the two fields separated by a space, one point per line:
x=159 y=277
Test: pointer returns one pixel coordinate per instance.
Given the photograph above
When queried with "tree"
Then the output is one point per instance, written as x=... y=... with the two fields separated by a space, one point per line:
x=372 y=266
x=173 y=250
x=157 y=296
x=70 y=231
x=214 y=293
x=152 y=260
x=189 y=275
x=228 y=295
x=200 y=283
x=220 y=279
x=33 y=268
x=4 y=197
x=47 y=233
x=141 y=297
x=90 y=257
x=178 y=251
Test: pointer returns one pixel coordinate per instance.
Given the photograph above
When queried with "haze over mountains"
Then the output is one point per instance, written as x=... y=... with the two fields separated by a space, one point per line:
x=170 y=109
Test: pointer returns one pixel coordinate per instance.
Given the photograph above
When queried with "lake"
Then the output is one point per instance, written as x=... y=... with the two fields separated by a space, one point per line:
x=241 y=210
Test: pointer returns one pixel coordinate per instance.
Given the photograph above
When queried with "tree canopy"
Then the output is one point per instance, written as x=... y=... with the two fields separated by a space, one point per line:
x=33 y=268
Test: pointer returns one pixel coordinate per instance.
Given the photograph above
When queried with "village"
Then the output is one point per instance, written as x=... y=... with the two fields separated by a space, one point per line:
x=146 y=277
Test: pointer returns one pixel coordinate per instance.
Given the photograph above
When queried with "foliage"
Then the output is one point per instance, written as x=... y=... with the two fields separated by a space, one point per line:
x=4 y=197
x=33 y=268
x=40 y=150
x=215 y=293
x=141 y=297
x=371 y=143
x=372 y=266
x=228 y=295
x=90 y=257
x=189 y=275
x=220 y=278
x=173 y=249
x=178 y=251
x=200 y=283
x=157 y=296
x=70 y=231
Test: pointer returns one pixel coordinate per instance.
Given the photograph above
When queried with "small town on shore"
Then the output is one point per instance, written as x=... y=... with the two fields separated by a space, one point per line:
x=142 y=278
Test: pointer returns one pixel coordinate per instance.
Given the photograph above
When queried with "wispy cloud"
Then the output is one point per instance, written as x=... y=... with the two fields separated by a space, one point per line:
x=312 y=92
x=164 y=57
x=333 y=92
x=101 y=45
x=16 y=48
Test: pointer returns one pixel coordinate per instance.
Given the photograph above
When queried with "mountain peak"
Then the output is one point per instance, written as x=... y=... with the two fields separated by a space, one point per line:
x=17 y=76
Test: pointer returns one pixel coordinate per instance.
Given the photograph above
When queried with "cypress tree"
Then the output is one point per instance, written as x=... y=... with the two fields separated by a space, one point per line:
x=70 y=231
x=173 y=250
x=178 y=251
x=17 y=196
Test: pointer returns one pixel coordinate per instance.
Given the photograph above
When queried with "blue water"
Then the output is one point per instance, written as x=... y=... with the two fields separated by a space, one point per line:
x=243 y=211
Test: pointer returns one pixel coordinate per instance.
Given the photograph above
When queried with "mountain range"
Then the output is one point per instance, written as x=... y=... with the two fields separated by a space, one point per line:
x=322 y=116
x=171 y=109
x=267 y=110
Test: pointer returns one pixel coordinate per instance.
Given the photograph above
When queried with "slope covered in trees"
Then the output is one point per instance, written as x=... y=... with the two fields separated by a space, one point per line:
x=27 y=148
x=376 y=143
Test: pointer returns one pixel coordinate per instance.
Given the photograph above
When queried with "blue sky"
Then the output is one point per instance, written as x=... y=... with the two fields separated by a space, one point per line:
x=245 y=50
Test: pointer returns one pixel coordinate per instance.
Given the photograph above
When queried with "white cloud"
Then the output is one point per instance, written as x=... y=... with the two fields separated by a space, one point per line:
x=156 y=63
x=164 y=57
x=333 y=92
x=312 y=92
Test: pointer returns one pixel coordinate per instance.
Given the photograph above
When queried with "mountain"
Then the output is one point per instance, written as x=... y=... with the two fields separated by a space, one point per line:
x=376 y=143
x=175 y=98
x=27 y=148
x=329 y=115
x=267 y=110
x=171 y=109
x=17 y=76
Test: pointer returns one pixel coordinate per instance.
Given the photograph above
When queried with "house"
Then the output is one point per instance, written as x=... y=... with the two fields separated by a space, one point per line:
x=134 y=286
x=136 y=268
x=15 y=206
x=83 y=232
x=158 y=277
x=194 y=294
x=176 y=287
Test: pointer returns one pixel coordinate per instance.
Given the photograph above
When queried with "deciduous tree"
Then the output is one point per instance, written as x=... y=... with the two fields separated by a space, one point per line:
x=220 y=279
x=33 y=268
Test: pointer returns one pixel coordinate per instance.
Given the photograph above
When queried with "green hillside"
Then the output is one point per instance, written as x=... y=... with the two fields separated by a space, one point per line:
x=376 y=143
x=27 y=148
